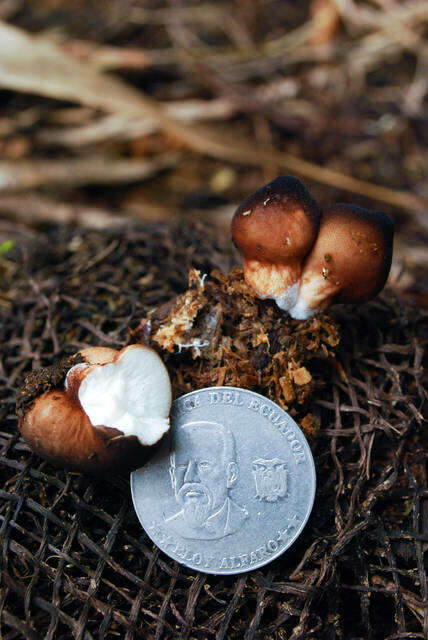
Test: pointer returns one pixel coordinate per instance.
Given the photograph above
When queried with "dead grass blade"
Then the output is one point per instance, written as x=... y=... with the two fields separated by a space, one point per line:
x=30 y=174
x=34 y=64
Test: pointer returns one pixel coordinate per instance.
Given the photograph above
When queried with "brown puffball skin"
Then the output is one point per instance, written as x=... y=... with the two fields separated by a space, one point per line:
x=55 y=418
x=350 y=260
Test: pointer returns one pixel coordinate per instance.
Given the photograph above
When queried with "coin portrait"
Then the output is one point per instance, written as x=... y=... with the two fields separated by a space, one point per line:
x=232 y=486
x=203 y=469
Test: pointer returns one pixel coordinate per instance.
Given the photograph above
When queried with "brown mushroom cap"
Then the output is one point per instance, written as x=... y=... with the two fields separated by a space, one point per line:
x=350 y=260
x=57 y=427
x=274 y=229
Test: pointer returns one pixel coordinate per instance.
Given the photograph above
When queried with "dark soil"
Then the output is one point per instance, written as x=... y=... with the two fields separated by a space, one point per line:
x=75 y=561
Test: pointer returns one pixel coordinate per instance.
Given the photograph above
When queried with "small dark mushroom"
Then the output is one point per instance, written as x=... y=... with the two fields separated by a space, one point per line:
x=349 y=262
x=275 y=228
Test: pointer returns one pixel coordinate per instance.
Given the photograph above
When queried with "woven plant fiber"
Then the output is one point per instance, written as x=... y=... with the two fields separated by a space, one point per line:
x=75 y=563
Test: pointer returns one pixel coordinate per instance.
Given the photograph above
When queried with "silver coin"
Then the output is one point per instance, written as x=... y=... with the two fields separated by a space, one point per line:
x=233 y=485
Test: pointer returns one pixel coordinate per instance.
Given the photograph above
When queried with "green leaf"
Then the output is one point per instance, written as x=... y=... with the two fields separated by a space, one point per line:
x=7 y=245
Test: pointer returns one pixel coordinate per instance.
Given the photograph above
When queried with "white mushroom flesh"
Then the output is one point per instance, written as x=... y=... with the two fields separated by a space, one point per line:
x=132 y=395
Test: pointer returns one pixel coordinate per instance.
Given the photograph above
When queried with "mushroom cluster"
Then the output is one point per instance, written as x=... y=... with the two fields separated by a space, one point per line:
x=112 y=409
x=104 y=410
x=307 y=259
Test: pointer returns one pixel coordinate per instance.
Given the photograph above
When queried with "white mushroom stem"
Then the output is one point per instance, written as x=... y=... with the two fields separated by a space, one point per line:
x=287 y=299
x=301 y=311
x=314 y=295
x=279 y=282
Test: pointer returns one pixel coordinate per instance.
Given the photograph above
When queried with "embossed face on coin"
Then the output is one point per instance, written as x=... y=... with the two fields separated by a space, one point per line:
x=232 y=487
x=203 y=469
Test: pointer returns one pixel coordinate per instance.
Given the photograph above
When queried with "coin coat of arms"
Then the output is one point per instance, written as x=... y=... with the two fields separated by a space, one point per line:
x=270 y=477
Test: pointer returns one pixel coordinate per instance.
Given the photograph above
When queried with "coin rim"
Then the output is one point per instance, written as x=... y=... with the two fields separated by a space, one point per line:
x=298 y=531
